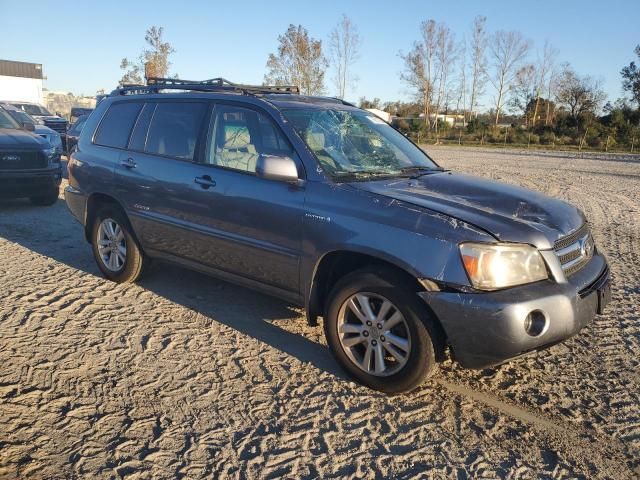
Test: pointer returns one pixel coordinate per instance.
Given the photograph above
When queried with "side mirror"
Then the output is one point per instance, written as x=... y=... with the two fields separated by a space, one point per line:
x=28 y=126
x=272 y=167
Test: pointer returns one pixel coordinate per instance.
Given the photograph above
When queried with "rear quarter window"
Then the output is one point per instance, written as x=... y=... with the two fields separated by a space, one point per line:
x=175 y=128
x=116 y=125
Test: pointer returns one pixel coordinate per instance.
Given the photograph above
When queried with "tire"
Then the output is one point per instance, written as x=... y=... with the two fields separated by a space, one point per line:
x=45 y=200
x=117 y=265
x=403 y=371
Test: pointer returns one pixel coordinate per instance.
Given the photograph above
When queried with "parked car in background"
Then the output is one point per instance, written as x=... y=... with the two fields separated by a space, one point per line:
x=29 y=165
x=77 y=112
x=328 y=206
x=24 y=119
x=54 y=122
x=74 y=133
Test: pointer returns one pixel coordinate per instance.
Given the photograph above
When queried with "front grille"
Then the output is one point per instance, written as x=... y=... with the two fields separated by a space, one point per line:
x=22 y=160
x=572 y=237
x=575 y=250
x=60 y=127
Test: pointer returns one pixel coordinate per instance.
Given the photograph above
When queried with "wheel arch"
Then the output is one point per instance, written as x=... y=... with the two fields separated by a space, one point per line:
x=335 y=264
x=95 y=202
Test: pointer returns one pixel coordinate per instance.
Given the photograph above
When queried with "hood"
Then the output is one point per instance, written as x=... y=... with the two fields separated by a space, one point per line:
x=51 y=118
x=14 y=139
x=44 y=130
x=509 y=213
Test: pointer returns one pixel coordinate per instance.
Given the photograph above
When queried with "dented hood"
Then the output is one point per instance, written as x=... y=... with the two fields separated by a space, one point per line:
x=509 y=213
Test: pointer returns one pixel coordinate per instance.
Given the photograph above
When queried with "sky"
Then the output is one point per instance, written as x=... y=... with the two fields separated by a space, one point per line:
x=81 y=43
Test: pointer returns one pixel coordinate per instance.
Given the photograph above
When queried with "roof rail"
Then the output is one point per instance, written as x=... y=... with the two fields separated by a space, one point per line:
x=155 y=84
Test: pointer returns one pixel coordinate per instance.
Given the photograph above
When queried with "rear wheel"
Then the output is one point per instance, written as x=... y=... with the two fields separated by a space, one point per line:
x=115 y=248
x=379 y=331
x=45 y=200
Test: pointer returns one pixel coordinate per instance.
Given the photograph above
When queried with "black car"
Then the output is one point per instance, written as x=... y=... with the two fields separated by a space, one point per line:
x=74 y=133
x=77 y=112
x=29 y=164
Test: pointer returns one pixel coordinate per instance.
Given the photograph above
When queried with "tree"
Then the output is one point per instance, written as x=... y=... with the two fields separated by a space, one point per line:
x=299 y=61
x=478 y=61
x=544 y=72
x=366 y=103
x=445 y=56
x=579 y=95
x=156 y=57
x=462 y=84
x=419 y=66
x=508 y=51
x=524 y=90
x=344 y=47
x=631 y=78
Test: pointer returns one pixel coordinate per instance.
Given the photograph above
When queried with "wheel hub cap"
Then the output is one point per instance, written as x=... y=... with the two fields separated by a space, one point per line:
x=374 y=334
x=112 y=245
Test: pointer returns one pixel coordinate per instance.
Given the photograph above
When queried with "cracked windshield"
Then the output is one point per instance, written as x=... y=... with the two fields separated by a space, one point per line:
x=355 y=144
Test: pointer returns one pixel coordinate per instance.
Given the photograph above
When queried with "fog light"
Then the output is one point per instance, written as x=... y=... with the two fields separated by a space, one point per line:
x=536 y=323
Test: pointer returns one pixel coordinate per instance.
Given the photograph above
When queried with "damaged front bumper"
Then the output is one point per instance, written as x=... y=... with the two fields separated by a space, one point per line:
x=485 y=329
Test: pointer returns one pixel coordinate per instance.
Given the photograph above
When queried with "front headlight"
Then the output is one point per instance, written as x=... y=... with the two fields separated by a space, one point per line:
x=52 y=155
x=494 y=266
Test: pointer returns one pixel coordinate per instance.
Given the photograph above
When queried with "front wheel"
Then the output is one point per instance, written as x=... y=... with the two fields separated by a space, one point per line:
x=379 y=331
x=115 y=248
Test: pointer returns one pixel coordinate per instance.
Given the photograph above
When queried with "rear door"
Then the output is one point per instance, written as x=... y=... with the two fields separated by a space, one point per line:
x=156 y=174
x=248 y=226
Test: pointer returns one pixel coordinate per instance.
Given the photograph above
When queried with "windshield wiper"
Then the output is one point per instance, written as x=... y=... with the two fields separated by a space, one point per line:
x=416 y=171
x=364 y=174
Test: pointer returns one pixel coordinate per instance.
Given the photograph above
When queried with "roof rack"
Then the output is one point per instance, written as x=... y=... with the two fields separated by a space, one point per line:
x=155 y=84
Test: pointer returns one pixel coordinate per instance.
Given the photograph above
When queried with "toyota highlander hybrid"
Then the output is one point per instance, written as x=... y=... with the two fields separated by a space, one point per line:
x=326 y=205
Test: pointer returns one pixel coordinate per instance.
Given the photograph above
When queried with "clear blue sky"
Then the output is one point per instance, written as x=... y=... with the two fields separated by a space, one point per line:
x=81 y=43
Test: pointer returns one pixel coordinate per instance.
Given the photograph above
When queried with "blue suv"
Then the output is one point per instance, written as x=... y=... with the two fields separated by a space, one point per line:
x=327 y=206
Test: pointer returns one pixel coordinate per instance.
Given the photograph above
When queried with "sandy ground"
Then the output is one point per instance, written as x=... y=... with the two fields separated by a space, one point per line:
x=183 y=376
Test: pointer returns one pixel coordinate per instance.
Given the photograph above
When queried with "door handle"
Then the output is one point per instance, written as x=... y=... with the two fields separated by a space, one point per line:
x=205 y=181
x=128 y=163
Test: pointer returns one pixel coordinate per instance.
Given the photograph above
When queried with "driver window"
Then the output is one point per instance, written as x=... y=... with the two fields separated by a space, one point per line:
x=239 y=135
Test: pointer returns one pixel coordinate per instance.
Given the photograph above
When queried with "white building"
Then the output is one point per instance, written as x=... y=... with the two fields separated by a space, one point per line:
x=21 y=81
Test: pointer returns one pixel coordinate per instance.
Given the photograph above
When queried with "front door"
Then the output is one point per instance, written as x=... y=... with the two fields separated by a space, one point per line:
x=249 y=226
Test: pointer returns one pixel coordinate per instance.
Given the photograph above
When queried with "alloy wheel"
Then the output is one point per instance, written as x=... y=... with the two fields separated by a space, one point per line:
x=112 y=245
x=374 y=334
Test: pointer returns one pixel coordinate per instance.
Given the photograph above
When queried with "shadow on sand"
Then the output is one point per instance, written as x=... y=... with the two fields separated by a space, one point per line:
x=61 y=238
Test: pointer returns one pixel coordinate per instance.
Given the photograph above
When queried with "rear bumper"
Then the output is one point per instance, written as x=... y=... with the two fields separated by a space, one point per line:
x=486 y=329
x=76 y=203
x=26 y=183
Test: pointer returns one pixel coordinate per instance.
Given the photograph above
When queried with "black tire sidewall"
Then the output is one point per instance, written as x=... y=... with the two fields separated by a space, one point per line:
x=133 y=263
x=421 y=358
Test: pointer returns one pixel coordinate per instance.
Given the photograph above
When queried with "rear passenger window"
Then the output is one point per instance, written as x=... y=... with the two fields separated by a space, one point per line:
x=117 y=123
x=174 y=129
x=139 y=135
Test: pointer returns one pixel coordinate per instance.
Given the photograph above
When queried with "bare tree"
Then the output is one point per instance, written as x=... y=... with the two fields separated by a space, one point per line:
x=578 y=94
x=419 y=66
x=544 y=72
x=155 y=57
x=462 y=83
x=445 y=56
x=523 y=91
x=344 y=47
x=508 y=50
x=299 y=61
x=478 y=60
